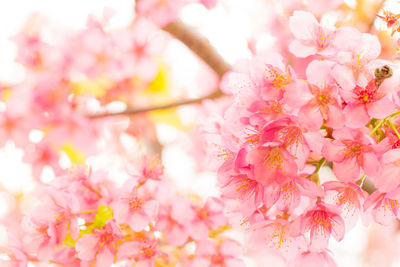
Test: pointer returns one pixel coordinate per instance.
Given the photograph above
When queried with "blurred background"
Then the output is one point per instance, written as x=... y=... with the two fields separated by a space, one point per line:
x=237 y=29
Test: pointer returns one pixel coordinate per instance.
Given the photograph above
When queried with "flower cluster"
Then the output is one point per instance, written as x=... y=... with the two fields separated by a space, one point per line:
x=282 y=128
x=84 y=219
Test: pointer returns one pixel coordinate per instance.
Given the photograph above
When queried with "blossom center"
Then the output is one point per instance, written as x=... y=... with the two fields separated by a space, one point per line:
x=275 y=158
x=366 y=96
x=278 y=79
x=217 y=259
x=203 y=214
x=135 y=203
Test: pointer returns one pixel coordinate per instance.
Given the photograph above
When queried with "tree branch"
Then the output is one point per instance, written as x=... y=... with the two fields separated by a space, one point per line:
x=132 y=111
x=200 y=46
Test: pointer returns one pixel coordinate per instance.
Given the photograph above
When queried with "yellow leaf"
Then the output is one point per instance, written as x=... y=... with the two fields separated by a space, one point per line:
x=160 y=82
x=6 y=94
x=75 y=156
x=69 y=241
x=103 y=214
x=97 y=87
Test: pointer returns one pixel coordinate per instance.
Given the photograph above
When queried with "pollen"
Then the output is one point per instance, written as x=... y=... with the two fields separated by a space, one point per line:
x=135 y=203
x=277 y=78
x=274 y=158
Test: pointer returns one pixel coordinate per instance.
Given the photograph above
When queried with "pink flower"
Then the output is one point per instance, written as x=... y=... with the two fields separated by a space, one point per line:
x=50 y=222
x=314 y=259
x=311 y=37
x=144 y=253
x=265 y=77
x=84 y=185
x=40 y=238
x=384 y=207
x=16 y=252
x=146 y=168
x=208 y=217
x=209 y=3
x=322 y=221
x=355 y=57
x=40 y=156
x=277 y=235
x=100 y=247
x=174 y=220
x=13 y=127
x=389 y=177
x=352 y=151
x=289 y=194
x=317 y=99
x=272 y=163
x=289 y=135
x=160 y=11
x=224 y=255
x=242 y=188
x=364 y=103
x=348 y=197
x=134 y=207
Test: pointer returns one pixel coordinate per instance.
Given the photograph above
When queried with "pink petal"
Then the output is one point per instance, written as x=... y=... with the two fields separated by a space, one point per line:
x=302 y=25
x=230 y=248
x=297 y=94
x=314 y=141
x=234 y=263
x=301 y=50
x=138 y=221
x=347 y=38
x=120 y=210
x=335 y=117
x=86 y=247
x=349 y=214
x=105 y=258
x=311 y=117
x=356 y=116
x=205 y=248
x=338 y=227
x=198 y=231
x=200 y=262
x=177 y=236
x=381 y=108
x=347 y=170
x=128 y=249
x=319 y=73
x=371 y=164
x=345 y=78
x=384 y=214
x=319 y=238
x=333 y=152
x=151 y=209
x=370 y=47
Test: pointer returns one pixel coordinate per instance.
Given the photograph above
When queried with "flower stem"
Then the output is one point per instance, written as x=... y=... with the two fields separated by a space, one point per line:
x=379 y=125
x=321 y=163
x=394 y=129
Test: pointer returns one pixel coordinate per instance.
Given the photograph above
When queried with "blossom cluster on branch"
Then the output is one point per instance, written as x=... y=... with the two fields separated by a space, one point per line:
x=84 y=219
x=281 y=129
x=322 y=98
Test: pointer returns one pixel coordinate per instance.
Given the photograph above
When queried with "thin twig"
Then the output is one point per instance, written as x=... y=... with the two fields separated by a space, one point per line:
x=132 y=111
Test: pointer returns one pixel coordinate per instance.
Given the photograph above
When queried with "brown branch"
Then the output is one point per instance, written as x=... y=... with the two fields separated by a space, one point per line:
x=200 y=46
x=132 y=111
